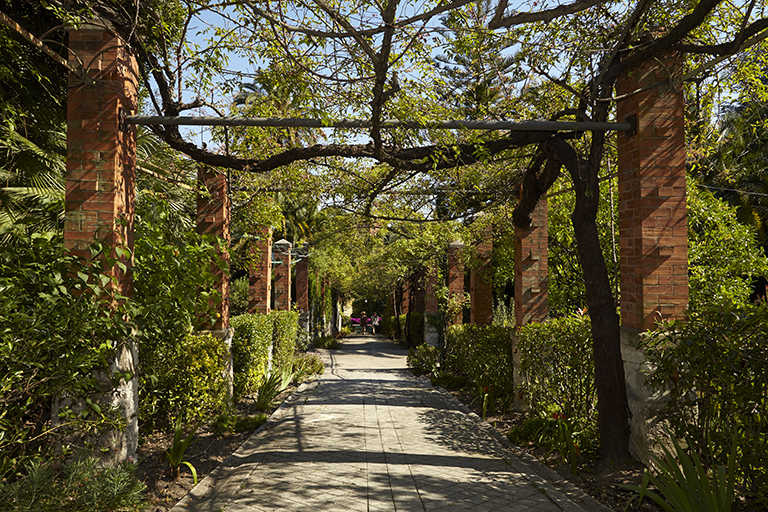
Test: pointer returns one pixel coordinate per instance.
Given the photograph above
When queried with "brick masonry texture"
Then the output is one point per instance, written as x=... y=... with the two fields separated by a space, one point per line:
x=101 y=151
x=481 y=282
x=652 y=209
x=213 y=218
x=282 y=272
x=531 y=269
x=260 y=274
x=302 y=285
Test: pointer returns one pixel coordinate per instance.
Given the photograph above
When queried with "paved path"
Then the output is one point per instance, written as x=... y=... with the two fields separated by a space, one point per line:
x=369 y=436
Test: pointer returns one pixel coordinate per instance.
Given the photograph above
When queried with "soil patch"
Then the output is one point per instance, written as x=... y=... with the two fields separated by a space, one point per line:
x=208 y=451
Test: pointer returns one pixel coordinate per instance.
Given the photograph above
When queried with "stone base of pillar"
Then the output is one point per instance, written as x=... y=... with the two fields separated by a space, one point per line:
x=113 y=446
x=644 y=404
x=304 y=320
x=226 y=336
x=431 y=334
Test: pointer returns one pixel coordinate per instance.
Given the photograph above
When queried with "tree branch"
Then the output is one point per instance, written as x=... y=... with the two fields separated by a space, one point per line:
x=545 y=16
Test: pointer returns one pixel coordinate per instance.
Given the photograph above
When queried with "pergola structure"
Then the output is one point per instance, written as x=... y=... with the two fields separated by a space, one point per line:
x=100 y=196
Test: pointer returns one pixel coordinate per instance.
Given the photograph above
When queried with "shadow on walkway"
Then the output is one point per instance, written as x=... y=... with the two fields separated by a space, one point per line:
x=369 y=436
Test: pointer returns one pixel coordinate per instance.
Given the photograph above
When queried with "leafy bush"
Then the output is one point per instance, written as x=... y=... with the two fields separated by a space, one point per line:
x=57 y=326
x=713 y=367
x=557 y=367
x=190 y=381
x=483 y=353
x=307 y=364
x=723 y=254
x=286 y=324
x=174 y=295
x=250 y=351
x=80 y=486
x=238 y=297
x=329 y=342
x=423 y=359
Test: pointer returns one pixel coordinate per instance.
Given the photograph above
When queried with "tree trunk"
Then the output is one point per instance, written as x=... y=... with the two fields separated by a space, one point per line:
x=612 y=404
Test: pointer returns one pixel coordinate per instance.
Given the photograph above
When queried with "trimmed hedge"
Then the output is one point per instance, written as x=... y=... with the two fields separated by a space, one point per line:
x=557 y=366
x=286 y=324
x=250 y=351
x=483 y=353
x=192 y=381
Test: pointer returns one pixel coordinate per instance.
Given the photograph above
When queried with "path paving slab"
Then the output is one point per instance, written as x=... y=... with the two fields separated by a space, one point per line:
x=368 y=435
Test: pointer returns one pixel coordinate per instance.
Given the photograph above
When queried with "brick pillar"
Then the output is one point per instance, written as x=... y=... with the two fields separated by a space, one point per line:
x=531 y=269
x=455 y=280
x=213 y=215
x=282 y=253
x=101 y=151
x=302 y=288
x=481 y=282
x=100 y=190
x=652 y=213
x=260 y=274
x=653 y=228
x=431 y=317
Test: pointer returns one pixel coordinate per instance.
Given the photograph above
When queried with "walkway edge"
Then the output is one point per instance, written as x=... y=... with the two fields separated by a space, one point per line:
x=577 y=499
x=220 y=477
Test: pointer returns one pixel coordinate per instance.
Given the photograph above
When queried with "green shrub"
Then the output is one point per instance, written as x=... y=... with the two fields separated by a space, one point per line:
x=80 y=486
x=174 y=295
x=484 y=354
x=557 y=367
x=250 y=351
x=238 y=297
x=57 y=327
x=329 y=342
x=306 y=364
x=286 y=324
x=423 y=359
x=713 y=368
x=191 y=382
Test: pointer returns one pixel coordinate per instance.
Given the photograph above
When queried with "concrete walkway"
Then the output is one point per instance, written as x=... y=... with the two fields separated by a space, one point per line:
x=369 y=436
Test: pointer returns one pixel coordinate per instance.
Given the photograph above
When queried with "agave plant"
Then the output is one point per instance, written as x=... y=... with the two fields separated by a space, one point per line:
x=175 y=455
x=685 y=485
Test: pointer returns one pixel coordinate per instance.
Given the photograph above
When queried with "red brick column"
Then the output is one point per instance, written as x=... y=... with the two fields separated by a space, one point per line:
x=213 y=215
x=652 y=212
x=260 y=274
x=531 y=269
x=282 y=253
x=101 y=151
x=431 y=318
x=481 y=282
x=302 y=285
x=100 y=196
x=455 y=279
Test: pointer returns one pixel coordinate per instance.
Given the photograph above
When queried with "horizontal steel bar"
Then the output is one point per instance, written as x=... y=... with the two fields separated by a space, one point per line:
x=278 y=122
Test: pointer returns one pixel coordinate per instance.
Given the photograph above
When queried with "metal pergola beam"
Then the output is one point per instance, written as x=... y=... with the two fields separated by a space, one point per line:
x=280 y=122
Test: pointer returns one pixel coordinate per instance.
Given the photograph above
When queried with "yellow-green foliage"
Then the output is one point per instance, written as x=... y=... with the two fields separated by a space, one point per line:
x=202 y=364
x=250 y=351
x=286 y=324
x=192 y=383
